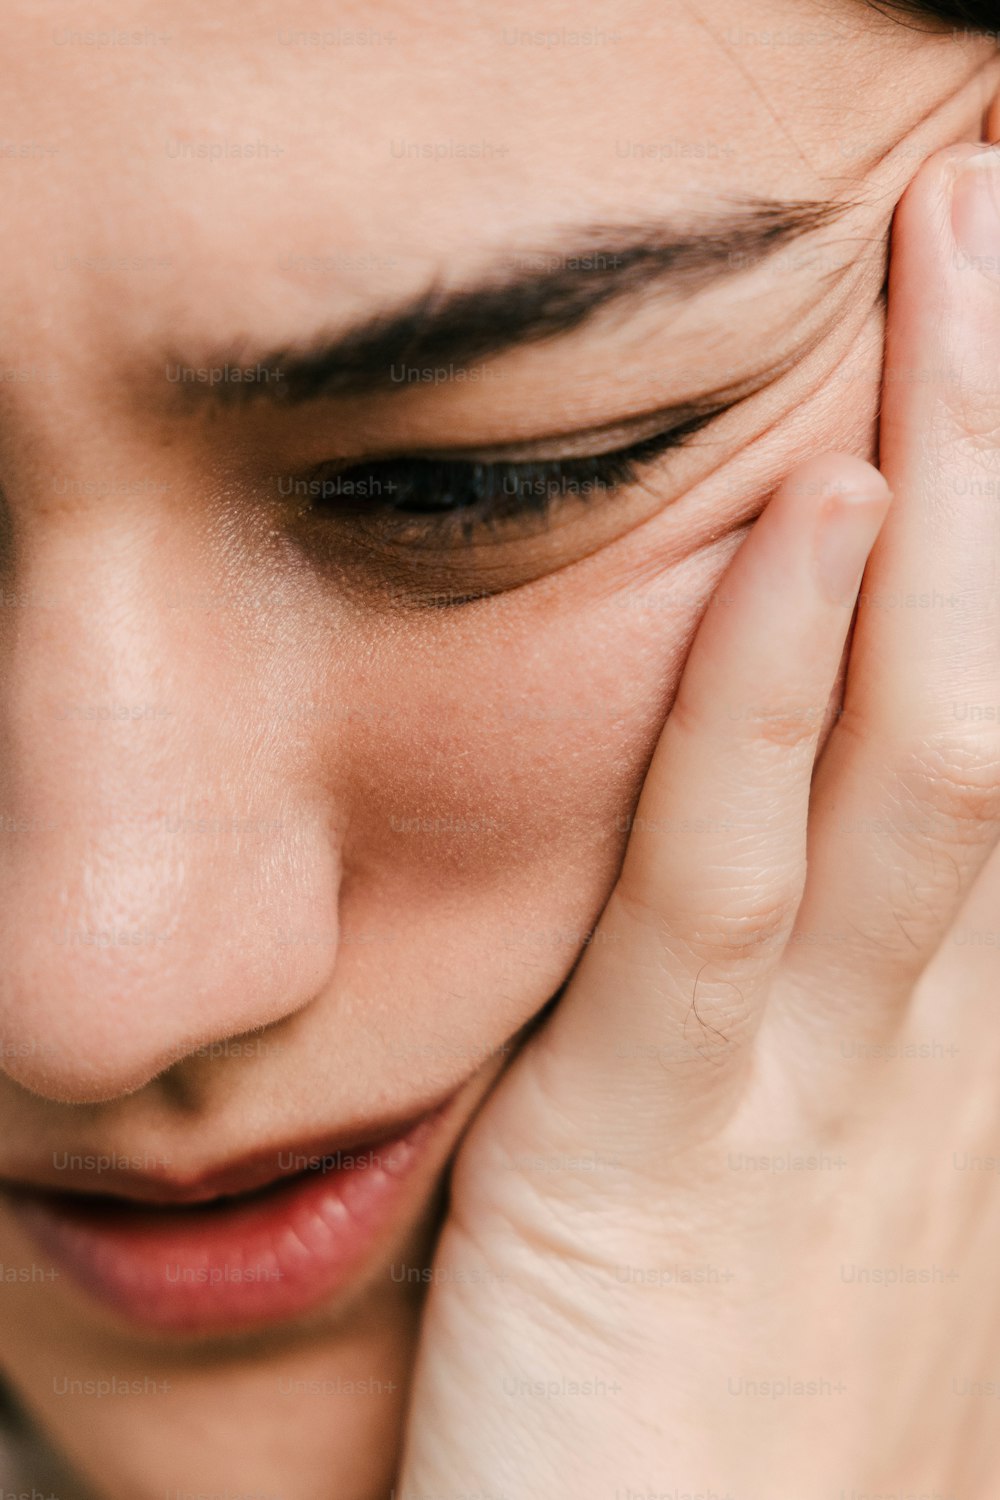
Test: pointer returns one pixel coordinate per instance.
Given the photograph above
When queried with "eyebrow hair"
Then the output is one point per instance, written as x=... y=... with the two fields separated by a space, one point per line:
x=544 y=295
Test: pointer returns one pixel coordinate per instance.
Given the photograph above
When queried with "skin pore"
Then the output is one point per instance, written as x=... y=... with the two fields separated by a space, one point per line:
x=354 y=820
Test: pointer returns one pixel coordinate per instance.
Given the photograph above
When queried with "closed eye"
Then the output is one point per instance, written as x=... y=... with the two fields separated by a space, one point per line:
x=451 y=499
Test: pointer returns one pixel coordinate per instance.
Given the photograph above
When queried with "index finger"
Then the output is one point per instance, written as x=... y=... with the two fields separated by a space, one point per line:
x=670 y=991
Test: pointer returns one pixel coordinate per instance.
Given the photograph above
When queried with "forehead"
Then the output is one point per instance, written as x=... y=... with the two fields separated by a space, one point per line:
x=280 y=152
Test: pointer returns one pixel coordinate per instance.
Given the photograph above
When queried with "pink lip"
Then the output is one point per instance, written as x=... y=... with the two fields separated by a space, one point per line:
x=251 y=1259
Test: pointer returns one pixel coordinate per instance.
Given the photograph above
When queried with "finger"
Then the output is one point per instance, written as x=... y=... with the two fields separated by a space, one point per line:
x=670 y=988
x=906 y=800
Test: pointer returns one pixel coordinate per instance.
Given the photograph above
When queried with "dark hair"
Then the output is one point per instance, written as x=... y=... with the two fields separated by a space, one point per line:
x=978 y=14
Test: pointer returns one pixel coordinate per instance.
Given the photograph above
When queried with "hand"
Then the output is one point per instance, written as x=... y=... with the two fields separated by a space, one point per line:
x=715 y=1231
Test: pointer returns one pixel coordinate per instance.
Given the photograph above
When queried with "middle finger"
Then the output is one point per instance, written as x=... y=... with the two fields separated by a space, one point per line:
x=906 y=796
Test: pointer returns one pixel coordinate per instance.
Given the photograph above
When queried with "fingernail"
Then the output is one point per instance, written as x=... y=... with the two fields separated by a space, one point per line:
x=848 y=528
x=975 y=211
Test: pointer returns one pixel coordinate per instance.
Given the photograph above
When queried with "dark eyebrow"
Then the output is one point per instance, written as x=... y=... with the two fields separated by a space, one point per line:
x=527 y=298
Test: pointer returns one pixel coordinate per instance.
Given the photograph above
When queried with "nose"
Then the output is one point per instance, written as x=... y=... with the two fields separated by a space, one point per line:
x=157 y=843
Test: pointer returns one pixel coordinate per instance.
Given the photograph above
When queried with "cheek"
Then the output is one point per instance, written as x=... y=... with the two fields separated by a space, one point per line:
x=484 y=797
x=513 y=757
x=487 y=812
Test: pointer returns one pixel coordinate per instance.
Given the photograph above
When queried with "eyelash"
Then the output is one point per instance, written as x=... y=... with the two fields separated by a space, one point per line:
x=454 y=498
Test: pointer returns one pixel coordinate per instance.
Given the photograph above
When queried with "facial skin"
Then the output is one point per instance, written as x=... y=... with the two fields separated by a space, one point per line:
x=225 y=728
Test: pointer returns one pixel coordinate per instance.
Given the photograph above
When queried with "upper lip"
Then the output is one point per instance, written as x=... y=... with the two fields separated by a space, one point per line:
x=112 y=1172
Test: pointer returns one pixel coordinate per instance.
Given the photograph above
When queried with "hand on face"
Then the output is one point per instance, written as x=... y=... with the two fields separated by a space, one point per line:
x=449 y=780
x=720 y=1227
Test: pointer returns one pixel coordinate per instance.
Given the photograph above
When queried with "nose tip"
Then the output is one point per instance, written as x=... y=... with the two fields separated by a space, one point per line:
x=87 y=1010
x=50 y=1071
x=91 y=1010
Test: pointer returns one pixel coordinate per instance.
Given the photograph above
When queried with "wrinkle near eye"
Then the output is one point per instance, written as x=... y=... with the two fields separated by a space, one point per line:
x=378 y=559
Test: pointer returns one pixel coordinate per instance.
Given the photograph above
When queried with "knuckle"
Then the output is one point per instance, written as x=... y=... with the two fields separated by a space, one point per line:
x=781 y=724
x=737 y=927
x=973 y=412
x=757 y=926
x=956 y=778
x=788 y=727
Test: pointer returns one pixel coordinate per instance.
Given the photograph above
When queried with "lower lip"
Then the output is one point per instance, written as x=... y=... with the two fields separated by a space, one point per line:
x=262 y=1259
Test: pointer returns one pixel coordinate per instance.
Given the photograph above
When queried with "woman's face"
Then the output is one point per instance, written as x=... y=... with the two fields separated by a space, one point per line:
x=308 y=803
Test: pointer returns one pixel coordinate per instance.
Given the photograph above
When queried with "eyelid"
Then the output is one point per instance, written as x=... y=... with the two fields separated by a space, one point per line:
x=639 y=445
x=593 y=444
x=609 y=438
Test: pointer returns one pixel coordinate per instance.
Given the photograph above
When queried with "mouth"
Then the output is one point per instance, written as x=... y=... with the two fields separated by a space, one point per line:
x=254 y=1242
